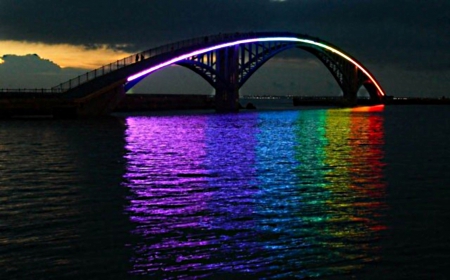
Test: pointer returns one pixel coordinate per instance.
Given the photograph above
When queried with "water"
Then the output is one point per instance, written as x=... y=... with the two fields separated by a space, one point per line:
x=324 y=194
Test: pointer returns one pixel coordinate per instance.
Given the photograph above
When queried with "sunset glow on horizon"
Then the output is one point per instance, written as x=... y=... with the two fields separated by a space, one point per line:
x=64 y=55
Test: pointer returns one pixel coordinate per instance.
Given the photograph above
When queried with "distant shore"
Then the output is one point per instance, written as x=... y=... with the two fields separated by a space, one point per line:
x=336 y=101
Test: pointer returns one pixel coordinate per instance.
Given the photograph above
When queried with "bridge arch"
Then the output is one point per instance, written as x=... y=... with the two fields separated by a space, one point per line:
x=227 y=61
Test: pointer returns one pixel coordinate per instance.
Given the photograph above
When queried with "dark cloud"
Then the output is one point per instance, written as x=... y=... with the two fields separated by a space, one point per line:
x=32 y=71
x=386 y=31
x=27 y=63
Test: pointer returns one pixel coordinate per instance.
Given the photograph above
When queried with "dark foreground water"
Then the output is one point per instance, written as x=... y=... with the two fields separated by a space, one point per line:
x=326 y=194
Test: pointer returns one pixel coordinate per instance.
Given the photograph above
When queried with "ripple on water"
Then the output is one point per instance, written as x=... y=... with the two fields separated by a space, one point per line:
x=282 y=194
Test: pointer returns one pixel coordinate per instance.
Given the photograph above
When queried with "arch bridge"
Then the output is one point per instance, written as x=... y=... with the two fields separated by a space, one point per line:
x=225 y=61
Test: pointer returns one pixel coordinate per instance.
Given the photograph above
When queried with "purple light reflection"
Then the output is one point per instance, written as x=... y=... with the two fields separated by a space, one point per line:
x=166 y=177
x=192 y=179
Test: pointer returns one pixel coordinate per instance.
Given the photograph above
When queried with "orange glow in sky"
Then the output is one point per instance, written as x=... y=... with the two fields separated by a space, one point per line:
x=63 y=54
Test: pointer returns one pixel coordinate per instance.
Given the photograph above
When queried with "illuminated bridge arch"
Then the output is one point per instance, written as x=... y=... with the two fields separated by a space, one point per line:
x=226 y=61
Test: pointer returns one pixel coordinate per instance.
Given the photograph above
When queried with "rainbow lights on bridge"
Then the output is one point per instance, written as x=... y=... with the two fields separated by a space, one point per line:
x=255 y=40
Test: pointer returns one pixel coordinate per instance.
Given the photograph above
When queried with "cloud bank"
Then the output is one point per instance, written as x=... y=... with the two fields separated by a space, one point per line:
x=31 y=71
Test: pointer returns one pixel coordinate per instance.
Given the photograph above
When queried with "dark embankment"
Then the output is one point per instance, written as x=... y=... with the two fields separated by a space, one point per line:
x=159 y=102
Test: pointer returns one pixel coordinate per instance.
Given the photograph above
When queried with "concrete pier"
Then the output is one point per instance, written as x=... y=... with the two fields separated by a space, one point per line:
x=227 y=85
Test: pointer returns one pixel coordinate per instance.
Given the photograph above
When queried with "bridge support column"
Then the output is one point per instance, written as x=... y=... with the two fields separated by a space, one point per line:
x=227 y=84
x=349 y=99
x=351 y=86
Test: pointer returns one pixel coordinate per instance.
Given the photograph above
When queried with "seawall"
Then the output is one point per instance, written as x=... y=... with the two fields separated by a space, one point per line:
x=159 y=102
x=32 y=104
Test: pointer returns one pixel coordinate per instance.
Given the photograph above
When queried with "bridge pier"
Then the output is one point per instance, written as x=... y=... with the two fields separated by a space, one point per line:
x=350 y=83
x=99 y=103
x=227 y=84
x=349 y=99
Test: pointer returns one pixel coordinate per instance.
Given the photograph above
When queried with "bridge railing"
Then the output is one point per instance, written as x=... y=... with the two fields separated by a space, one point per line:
x=34 y=92
x=72 y=83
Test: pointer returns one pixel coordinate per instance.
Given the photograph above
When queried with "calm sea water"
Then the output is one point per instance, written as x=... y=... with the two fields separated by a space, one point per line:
x=307 y=193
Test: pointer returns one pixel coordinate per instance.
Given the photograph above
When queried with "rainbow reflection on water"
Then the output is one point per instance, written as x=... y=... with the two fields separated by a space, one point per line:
x=267 y=194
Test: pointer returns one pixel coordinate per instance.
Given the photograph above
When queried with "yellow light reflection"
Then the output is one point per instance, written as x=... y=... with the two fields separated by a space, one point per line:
x=64 y=55
x=356 y=178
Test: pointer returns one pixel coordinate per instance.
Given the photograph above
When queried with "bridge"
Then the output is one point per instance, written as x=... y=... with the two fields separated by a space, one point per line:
x=225 y=61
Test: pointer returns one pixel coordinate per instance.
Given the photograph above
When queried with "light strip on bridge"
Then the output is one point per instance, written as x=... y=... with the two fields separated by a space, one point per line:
x=266 y=39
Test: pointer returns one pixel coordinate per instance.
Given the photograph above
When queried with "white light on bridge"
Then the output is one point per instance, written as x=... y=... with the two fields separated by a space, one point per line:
x=254 y=40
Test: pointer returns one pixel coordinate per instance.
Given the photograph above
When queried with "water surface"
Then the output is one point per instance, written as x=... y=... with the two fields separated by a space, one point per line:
x=335 y=193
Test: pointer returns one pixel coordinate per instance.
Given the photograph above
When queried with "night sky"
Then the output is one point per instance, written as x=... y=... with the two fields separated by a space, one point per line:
x=405 y=44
